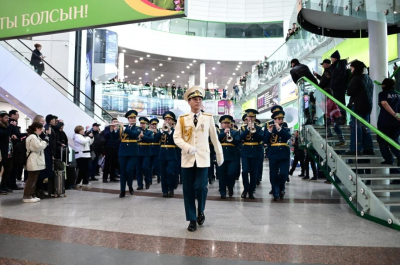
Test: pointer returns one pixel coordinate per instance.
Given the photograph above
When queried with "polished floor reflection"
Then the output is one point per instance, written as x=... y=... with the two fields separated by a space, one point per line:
x=313 y=225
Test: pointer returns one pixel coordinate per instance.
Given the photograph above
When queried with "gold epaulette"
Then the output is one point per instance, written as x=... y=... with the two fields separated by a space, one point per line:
x=207 y=114
x=243 y=128
x=184 y=115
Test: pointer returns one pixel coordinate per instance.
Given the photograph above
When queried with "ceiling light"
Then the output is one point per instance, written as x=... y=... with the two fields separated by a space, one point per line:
x=183 y=72
x=238 y=66
x=177 y=76
x=162 y=75
x=240 y=62
x=190 y=64
x=187 y=67
x=148 y=55
x=213 y=68
x=126 y=76
x=136 y=61
x=173 y=81
x=218 y=62
x=169 y=58
x=233 y=74
x=141 y=58
x=153 y=69
x=159 y=77
x=140 y=78
x=156 y=79
x=160 y=64
x=195 y=60
x=133 y=72
x=236 y=69
x=123 y=50
x=206 y=77
x=126 y=66
x=209 y=73
x=146 y=73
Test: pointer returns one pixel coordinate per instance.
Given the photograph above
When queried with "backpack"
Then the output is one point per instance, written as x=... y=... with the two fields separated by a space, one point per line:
x=99 y=143
x=19 y=154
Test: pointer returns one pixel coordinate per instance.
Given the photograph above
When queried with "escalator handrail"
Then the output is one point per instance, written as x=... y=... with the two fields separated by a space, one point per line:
x=66 y=79
x=367 y=124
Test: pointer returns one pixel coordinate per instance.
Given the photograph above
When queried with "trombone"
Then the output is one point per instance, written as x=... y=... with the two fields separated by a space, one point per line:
x=229 y=138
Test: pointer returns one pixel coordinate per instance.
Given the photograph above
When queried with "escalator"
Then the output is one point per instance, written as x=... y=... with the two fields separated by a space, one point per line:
x=362 y=180
x=52 y=93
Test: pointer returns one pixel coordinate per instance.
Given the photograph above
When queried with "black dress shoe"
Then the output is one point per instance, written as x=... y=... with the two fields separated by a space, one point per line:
x=314 y=178
x=158 y=180
x=201 y=218
x=139 y=188
x=281 y=194
x=94 y=179
x=230 y=192
x=302 y=175
x=165 y=195
x=181 y=182
x=369 y=152
x=147 y=186
x=8 y=190
x=290 y=173
x=105 y=181
x=244 y=194
x=3 y=192
x=170 y=193
x=270 y=192
x=306 y=177
x=122 y=194
x=251 y=196
x=192 y=226
x=288 y=179
x=176 y=185
x=131 y=190
x=114 y=180
x=223 y=196
x=276 y=199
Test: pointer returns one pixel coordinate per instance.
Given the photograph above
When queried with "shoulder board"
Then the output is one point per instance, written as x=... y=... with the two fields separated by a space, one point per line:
x=207 y=114
x=185 y=115
x=243 y=127
x=218 y=130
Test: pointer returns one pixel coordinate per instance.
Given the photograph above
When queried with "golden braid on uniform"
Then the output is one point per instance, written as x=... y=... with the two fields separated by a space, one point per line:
x=185 y=134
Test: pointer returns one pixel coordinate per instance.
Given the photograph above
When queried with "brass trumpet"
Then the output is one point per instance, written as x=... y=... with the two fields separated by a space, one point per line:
x=166 y=127
x=229 y=138
x=251 y=127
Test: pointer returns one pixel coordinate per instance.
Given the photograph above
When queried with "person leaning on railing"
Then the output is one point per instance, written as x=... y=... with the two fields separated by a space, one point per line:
x=389 y=122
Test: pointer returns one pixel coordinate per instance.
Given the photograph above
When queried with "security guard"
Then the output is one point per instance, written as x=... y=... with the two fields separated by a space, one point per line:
x=155 y=149
x=277 y=136
x=128 y=151
x=251 y=135
x=229 y=140
x=145 y=141
x=261 y=159
x=191 y=135
x=168 y=155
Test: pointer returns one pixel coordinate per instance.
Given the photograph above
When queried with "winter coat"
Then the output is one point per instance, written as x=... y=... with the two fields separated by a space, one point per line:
x=35 y=153
x=300 y=70
x=325 y=78
x=5 y=142
x=338 y=75
x=360 y=90
x=61 y=139
x=36 y=59
x=82 y=145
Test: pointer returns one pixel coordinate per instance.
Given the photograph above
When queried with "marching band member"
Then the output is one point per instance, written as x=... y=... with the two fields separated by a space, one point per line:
x=155 y=149
x=261 y=159
x=145 y=140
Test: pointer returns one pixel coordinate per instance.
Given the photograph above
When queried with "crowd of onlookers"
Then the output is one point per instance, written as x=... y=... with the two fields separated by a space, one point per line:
x=292 y=31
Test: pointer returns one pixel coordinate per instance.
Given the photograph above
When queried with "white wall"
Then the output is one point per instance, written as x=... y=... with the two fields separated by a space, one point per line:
x=175 y=45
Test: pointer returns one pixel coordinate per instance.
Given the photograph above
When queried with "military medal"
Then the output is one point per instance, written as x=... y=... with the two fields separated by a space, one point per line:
x=202 y=127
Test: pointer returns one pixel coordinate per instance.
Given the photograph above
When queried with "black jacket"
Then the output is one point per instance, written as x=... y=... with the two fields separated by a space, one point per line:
x=36 y=60
x=300 y=70
x=4 y=141
x=360 y=91
x=61 y=139
x=111 y=137
x=15 y=130
x=325 y=79
x=338 y=75
x=52 y=140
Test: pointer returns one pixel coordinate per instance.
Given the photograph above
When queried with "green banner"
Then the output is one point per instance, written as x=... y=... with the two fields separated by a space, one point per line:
x=28 y=18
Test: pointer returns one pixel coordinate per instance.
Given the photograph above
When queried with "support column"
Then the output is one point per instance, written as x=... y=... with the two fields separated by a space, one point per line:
x=192 y=81
x=378 y=67
x=203 y=75
x=121 y=66
x=238 y=80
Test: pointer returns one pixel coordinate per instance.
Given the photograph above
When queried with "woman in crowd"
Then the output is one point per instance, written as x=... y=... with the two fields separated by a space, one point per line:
x=62 y=141
x=388 y=122
x=37 y=59
x=35 y=162
x=82 y=154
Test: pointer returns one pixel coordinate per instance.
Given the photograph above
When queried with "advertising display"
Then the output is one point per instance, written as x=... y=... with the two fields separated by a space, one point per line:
x=29 y=18
x=226 y=107
x=210 y=107
x=268 y=98
x=250 y=104
x=288 y=90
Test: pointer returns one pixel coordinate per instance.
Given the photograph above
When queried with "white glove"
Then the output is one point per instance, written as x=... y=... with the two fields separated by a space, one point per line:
x=192 y=150
x=220 y=160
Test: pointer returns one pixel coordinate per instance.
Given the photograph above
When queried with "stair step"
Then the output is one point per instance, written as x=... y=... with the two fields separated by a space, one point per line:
x=346 y=147
x=364 y=157
x=334 y=140
x=385 y=188
x=379 y=176
x=371 y=166
x=390 y=201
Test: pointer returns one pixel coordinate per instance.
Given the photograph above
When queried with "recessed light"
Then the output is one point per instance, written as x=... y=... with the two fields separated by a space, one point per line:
x=218 y=62
x=136 y=61
x=123 y=50
x=237 y=69
x=209 y=73
x=183 y=72
x=148 y=55
x=6 y=95
x=173 y=81
x=126 y=66
x=233 y=74
x=177 y=76
x=206 y=77
x=240 y=62
x=187 y=67
x=141 y=58
x=162 y=75
x=213 y=68
x=156 y=79
x=146 y=73
x=126 y=76
x=153 y=69
x=140 y=78
x=169 y=58
x=194 y=61
x=133 y=72
x=160 y=64
x=190 y=64
x=159 y=77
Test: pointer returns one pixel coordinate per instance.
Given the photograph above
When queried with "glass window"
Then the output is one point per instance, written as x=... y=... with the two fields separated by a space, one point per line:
x=197 y=28
x=216 y=30
x=253 y=31
x=180 y=26
x=273 y=29
x=235 y=30
x=161 y=25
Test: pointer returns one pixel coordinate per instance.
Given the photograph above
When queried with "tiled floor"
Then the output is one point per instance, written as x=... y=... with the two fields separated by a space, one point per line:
x=313 y=217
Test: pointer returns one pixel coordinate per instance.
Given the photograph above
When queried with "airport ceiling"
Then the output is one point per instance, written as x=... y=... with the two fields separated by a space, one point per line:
x=161 y=69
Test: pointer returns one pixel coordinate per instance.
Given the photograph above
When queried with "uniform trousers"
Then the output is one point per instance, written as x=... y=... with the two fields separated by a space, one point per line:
x=194 y=185
x=250 y=166
x=168 y=178
x=110 y=163
x=226 y=175
x=143 y=168
x=154 y=167
x=260 y=165
x=278 y=171
x=127 y=167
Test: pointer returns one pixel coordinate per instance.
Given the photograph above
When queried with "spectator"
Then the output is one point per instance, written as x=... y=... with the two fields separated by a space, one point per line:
x=16 y=137
x=96 y=151
x=112 y=146
x=260 y=68
x=82 y=154
x=180 y=92
x=6 y=150
x=360 y=91
x=300 y=70
x=325 y=79
x=35 y=162
x=333 y=115
x=173 y=90
x=37 y=59
x=339 y=78
x=388 y=122
x=62 y=141
x=224 y=93
x=397 y=77
x=298 y=155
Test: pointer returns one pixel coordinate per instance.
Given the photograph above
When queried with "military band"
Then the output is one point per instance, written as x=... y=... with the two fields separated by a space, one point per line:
x=145 y=140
